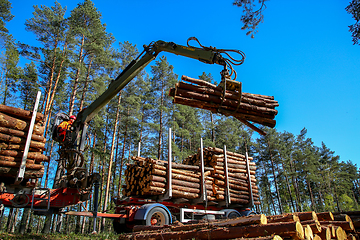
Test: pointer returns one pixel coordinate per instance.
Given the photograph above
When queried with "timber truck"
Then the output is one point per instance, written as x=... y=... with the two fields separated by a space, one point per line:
x=77 y=185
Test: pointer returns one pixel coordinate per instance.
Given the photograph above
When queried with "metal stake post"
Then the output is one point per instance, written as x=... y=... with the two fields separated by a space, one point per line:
x=22 y=167
x=170 y=166
x=227 y=193
x=139 y=147
x=203 y=187
x=251 y=202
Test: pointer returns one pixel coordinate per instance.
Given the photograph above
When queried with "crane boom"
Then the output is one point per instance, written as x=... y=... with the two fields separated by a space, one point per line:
x=137 y=65
x=206 y=55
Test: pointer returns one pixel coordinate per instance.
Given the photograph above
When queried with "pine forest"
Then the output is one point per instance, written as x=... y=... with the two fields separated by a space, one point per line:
x=75 y=60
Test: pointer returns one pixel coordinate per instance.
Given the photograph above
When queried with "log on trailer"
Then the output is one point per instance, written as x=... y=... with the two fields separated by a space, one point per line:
x=147 y=177
x=14 y=127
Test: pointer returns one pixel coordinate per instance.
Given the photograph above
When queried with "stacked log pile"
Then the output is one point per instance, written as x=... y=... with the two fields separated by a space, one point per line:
x=237 y=172
x=246 y=107
x=148 y=177
x=304 y=225
x=14 y=126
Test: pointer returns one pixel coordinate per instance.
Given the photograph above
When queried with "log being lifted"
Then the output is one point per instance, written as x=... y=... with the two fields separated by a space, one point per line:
x=245 y=107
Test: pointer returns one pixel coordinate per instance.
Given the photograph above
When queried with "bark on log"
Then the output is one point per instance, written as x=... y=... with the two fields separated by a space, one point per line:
x=347 y=226
x=29 y=174
x=241 y=221
x=325 y=233
x=225 y=110
x=32 y=155
x=316 y=227
x=246 y=98
x=21 y=113
x=342 y=217
x=325 y=216
x=17 y=124
x=19 y=140
x=305 y=216
x=244 y=107
x=290 y=217
x=294 y=230
x=21 y=134
x=18 y=147
x=29 y=165
x=174 y=165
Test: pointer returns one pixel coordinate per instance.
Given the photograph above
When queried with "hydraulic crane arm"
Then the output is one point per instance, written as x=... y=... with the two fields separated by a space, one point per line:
x=208 y=55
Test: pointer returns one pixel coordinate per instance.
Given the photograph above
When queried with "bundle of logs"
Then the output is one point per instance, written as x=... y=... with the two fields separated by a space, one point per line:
x=148 y=177
x=246 y=107
x=14 y=127
x=301 y=225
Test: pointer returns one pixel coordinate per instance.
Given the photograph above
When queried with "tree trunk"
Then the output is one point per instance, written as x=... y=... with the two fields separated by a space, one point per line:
x=76 y=79
x=123 y=154
x=47 y=224
x=288 y=187
x=275 y=181
x=85 y=84
x=212 y=127
x=83 y=222
x=311 y=195
x=78 y=220
x=116 y=158
x=161 y=122
x=111 y=158
x=49 y=102
x=297 y=194
x=24 y=220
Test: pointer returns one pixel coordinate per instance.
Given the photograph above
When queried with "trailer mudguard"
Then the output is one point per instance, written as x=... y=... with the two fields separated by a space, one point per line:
x=142 y=212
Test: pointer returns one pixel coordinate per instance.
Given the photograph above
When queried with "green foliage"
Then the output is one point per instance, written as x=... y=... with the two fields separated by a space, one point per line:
x=28 y=86
x=5 y=16
x=347 y=203
x=252 y=14
x=354 y=9
x=10 y=72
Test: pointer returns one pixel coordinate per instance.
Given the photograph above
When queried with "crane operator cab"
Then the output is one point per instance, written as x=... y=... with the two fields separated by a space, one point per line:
x=62 y=127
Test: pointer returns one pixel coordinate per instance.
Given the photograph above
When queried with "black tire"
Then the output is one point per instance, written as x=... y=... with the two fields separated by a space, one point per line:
x=252 y=213
x=157 y=216
x=233 y=214
x=120 y=227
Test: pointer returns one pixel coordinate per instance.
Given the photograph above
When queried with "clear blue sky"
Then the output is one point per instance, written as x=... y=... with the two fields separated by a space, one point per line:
x=302 y=55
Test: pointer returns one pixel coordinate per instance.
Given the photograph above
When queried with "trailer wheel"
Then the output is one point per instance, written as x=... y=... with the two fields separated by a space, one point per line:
x=157 y=217
x=231 y=213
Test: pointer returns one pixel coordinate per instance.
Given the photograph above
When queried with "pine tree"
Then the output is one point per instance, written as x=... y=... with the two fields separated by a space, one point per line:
x=163 y=79
x=28 y=86
x=51 y=30
x=91 y=40
x=5 y=16
x=10 y=72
